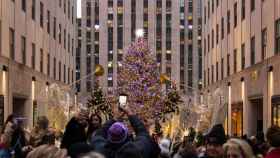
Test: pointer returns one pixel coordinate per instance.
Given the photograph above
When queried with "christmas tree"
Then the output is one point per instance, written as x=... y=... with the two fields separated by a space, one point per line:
x=97 y=103
x=139 y=80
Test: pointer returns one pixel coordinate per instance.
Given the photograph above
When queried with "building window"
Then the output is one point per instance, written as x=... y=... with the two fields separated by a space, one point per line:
x=223 y=29
x=54 y=27
x=48 y=21
x=33 y=12
x=205 y=15
x=64 y=38
x=12 y=43
x=59 y=70
x=41 y=60
x=54 y=68
x=243 y=56
x=212 y=74
x=235 y=60
x=212 y=41
x=68 y=75
x=48 y=64
x=217 y=33
x=208 y=9
x=33 y=56
x=264 y=43
x=59 y=33
x=69 y=10
x=228 y=21
x=243 y=11
x=213 y=6
x=228 y=64
x=59 y=3
x=41 y=14
x=23 y=49
x=69 y=41
x=252 y=5
x=64 y=6
x=217 y=71
x=277 y=36
x=208 y=42
x=235 y=14
x=23 y=5
x=133 y=19
x=217 y=3
x=64 y=73
x=222 y=69
x=253 y=53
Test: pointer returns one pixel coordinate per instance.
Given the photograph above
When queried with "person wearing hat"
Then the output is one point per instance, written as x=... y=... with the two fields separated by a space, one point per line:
x=75 y=131
x=113 y=140
x=214 y=142
x=273 y=138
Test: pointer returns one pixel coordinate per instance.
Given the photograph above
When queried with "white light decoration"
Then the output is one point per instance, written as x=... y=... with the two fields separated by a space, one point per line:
x=96 y=27
x=139 y=33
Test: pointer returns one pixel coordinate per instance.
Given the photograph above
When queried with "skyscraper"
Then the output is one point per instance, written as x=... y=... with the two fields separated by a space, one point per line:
x=171 y=27
x=36 y=49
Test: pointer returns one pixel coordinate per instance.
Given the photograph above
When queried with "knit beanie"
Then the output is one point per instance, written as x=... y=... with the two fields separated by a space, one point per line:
x=117 y=133
x=216 y=135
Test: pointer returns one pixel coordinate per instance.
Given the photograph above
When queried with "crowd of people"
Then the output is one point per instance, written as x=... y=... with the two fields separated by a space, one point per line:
x=127 y=137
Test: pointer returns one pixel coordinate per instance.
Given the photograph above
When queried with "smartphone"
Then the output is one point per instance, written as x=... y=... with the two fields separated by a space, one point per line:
x=122 y=101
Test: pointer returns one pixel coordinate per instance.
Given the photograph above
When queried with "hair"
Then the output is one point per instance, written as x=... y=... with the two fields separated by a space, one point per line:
x=42 y=122
x=273 y=136
x=47 y=151
x=243 y=146
x=92 y=155
x=91 y=127
x=9 y=119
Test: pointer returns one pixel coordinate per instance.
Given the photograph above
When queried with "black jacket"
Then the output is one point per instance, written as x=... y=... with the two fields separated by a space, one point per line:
x=142 y=143
x=74 y=133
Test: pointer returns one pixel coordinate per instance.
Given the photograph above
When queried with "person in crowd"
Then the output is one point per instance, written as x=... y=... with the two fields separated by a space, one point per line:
x=41 y=134
x=7 y=131
x=165 y=145
x=75 y=131
x=47 y=151
x=273 y=138
x=94 y=123
x=214 y=142
x=18 y=146
x=78 y=149
x=237 y=148
x=112 y=139
x=186 y=150
x=92 y=155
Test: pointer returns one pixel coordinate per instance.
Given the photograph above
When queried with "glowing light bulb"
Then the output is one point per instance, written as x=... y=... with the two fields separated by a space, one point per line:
x=139 y=33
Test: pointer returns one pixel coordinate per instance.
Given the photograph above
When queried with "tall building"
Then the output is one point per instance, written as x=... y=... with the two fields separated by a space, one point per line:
x=241 y=57
x=36 y=50
x=171 y=27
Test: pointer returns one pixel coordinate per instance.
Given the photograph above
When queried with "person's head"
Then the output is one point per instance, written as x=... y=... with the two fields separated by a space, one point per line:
x=82 y=117
x=129 y=150
x=79 y=149
x=92 y=155
x=42 y=122
x=117 y=133
x=186 y=151
x=237 y=148
x=47 y=151
x=273 y=136
x=215 y=140
x=95 y=121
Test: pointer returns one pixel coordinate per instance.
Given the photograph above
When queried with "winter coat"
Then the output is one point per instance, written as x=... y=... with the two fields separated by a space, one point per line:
x=74 y=133
x=274 y=153
x=142 y=145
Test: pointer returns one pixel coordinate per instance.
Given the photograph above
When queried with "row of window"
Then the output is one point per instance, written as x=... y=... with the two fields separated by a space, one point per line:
x=243 y=11
x=33 y=57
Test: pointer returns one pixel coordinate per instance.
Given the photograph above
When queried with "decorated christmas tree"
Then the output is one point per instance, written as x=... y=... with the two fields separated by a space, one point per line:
x=97 y=103
x=139 y=80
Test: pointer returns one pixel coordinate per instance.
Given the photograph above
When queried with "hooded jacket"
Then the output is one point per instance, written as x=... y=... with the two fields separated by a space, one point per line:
x=142 y=144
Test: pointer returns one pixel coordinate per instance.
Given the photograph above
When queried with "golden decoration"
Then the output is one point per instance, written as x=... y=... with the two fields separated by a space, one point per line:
x=164 y=78
x=99 y=70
